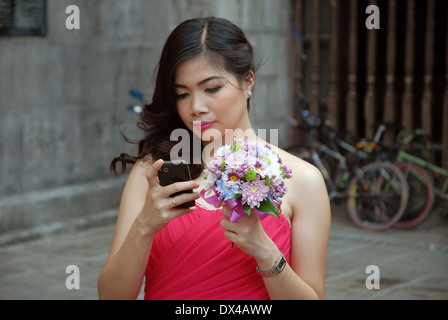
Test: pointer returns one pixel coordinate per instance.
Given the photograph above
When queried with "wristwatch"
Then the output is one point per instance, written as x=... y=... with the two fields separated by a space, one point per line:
x=278 y=267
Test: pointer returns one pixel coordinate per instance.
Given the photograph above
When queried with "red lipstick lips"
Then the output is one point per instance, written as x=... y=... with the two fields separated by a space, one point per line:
x=203 y=125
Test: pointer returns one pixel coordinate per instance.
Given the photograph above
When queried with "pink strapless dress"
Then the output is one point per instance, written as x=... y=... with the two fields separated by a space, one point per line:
x=191 y=259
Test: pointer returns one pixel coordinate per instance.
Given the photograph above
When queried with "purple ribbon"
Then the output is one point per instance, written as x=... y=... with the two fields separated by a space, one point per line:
x=236 y=207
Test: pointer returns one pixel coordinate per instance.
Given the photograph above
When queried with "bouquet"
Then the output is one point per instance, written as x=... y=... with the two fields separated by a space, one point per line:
x=244 y=176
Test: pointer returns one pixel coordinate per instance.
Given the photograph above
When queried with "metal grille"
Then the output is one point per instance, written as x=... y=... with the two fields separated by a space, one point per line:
x=359 y=77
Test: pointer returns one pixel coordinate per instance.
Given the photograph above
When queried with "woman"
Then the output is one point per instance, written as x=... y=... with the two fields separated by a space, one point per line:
x=205 y=80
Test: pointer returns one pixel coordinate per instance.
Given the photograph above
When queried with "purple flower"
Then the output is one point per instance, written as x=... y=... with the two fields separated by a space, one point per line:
x=231 y=177
x=239 y=160
x=254 y=192
x=247 y=172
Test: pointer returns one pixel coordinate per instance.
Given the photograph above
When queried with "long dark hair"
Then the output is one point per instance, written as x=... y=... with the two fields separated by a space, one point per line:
x=224 y=45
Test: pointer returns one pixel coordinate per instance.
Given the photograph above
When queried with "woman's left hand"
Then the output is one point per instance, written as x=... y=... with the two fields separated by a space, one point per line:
x=248 y=234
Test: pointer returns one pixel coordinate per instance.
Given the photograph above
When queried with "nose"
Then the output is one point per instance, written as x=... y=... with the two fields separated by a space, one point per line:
x=198 y=105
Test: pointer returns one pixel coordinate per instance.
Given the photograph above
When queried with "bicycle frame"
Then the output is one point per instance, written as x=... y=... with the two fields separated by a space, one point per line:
x=376 y=186
x=407 y=157
x=316 y=149
x=337 y=190
x=336 y=149
x=342 y=165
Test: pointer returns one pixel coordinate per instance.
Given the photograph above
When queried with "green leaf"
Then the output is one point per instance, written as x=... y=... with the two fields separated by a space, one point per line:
x=269 y=207
x=267 y=181
x=222 y=167
x=246 y=208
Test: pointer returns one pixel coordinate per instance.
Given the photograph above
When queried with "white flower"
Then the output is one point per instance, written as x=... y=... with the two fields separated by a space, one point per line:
x=210 y=180
x=223 y=151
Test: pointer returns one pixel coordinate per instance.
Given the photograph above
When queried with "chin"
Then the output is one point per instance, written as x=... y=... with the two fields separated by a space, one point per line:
x=209 y=135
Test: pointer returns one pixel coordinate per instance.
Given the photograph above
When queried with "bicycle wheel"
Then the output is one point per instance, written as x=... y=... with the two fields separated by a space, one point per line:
x=377 y=196
x=421 y=195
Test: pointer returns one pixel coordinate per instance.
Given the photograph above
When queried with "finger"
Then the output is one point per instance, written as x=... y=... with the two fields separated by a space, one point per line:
x=229 y=225
x=233 y=237
x=253 y=216
x=182 y=211
x=151 y=174
x=182 y=198
x=226 y=211
x=180 y=186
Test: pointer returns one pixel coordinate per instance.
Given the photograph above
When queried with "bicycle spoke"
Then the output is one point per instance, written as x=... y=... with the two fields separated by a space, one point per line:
x=378 y=196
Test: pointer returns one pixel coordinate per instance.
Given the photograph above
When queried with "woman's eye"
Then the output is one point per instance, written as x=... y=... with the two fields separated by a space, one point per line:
x=180 y=96
x=212 y=90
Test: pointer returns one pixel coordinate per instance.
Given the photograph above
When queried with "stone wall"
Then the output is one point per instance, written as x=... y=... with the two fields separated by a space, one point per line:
x=62 y=98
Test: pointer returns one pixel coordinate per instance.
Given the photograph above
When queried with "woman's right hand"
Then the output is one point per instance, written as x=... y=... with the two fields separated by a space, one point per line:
x=159 y=208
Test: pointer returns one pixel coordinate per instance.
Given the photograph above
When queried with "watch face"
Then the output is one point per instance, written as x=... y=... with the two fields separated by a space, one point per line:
x=281 y=264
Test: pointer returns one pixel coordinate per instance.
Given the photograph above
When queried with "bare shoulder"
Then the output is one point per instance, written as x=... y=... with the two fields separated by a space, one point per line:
x=136 y=186
x=142 y=165
x=304 y=174
x=306 y=188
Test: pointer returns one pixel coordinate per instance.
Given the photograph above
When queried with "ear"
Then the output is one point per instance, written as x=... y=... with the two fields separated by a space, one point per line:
x=249 y=83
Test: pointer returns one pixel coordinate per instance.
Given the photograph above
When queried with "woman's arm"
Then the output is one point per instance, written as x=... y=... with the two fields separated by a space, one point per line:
x=122 y=275
x=304 y=277
x=145 y=208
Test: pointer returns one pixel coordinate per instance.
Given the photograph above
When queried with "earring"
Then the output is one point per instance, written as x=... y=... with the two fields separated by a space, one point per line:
x=249 y=93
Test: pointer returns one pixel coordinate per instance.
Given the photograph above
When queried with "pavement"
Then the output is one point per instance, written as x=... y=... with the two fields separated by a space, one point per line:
x=407 y=264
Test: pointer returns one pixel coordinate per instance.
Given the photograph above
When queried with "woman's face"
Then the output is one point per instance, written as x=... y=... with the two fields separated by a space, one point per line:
x=211 y=99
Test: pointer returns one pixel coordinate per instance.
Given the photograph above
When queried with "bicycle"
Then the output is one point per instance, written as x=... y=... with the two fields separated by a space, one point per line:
x=421 y=194
x=423 y=188
x=376 y=194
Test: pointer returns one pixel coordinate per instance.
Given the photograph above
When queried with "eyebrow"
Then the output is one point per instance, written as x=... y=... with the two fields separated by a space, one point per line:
x=201 y=82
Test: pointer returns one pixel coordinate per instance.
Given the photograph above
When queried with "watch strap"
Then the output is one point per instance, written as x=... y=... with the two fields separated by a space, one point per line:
x=278 y=267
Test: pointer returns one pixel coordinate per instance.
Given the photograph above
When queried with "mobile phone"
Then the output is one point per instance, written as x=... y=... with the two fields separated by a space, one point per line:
x=176 y=171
